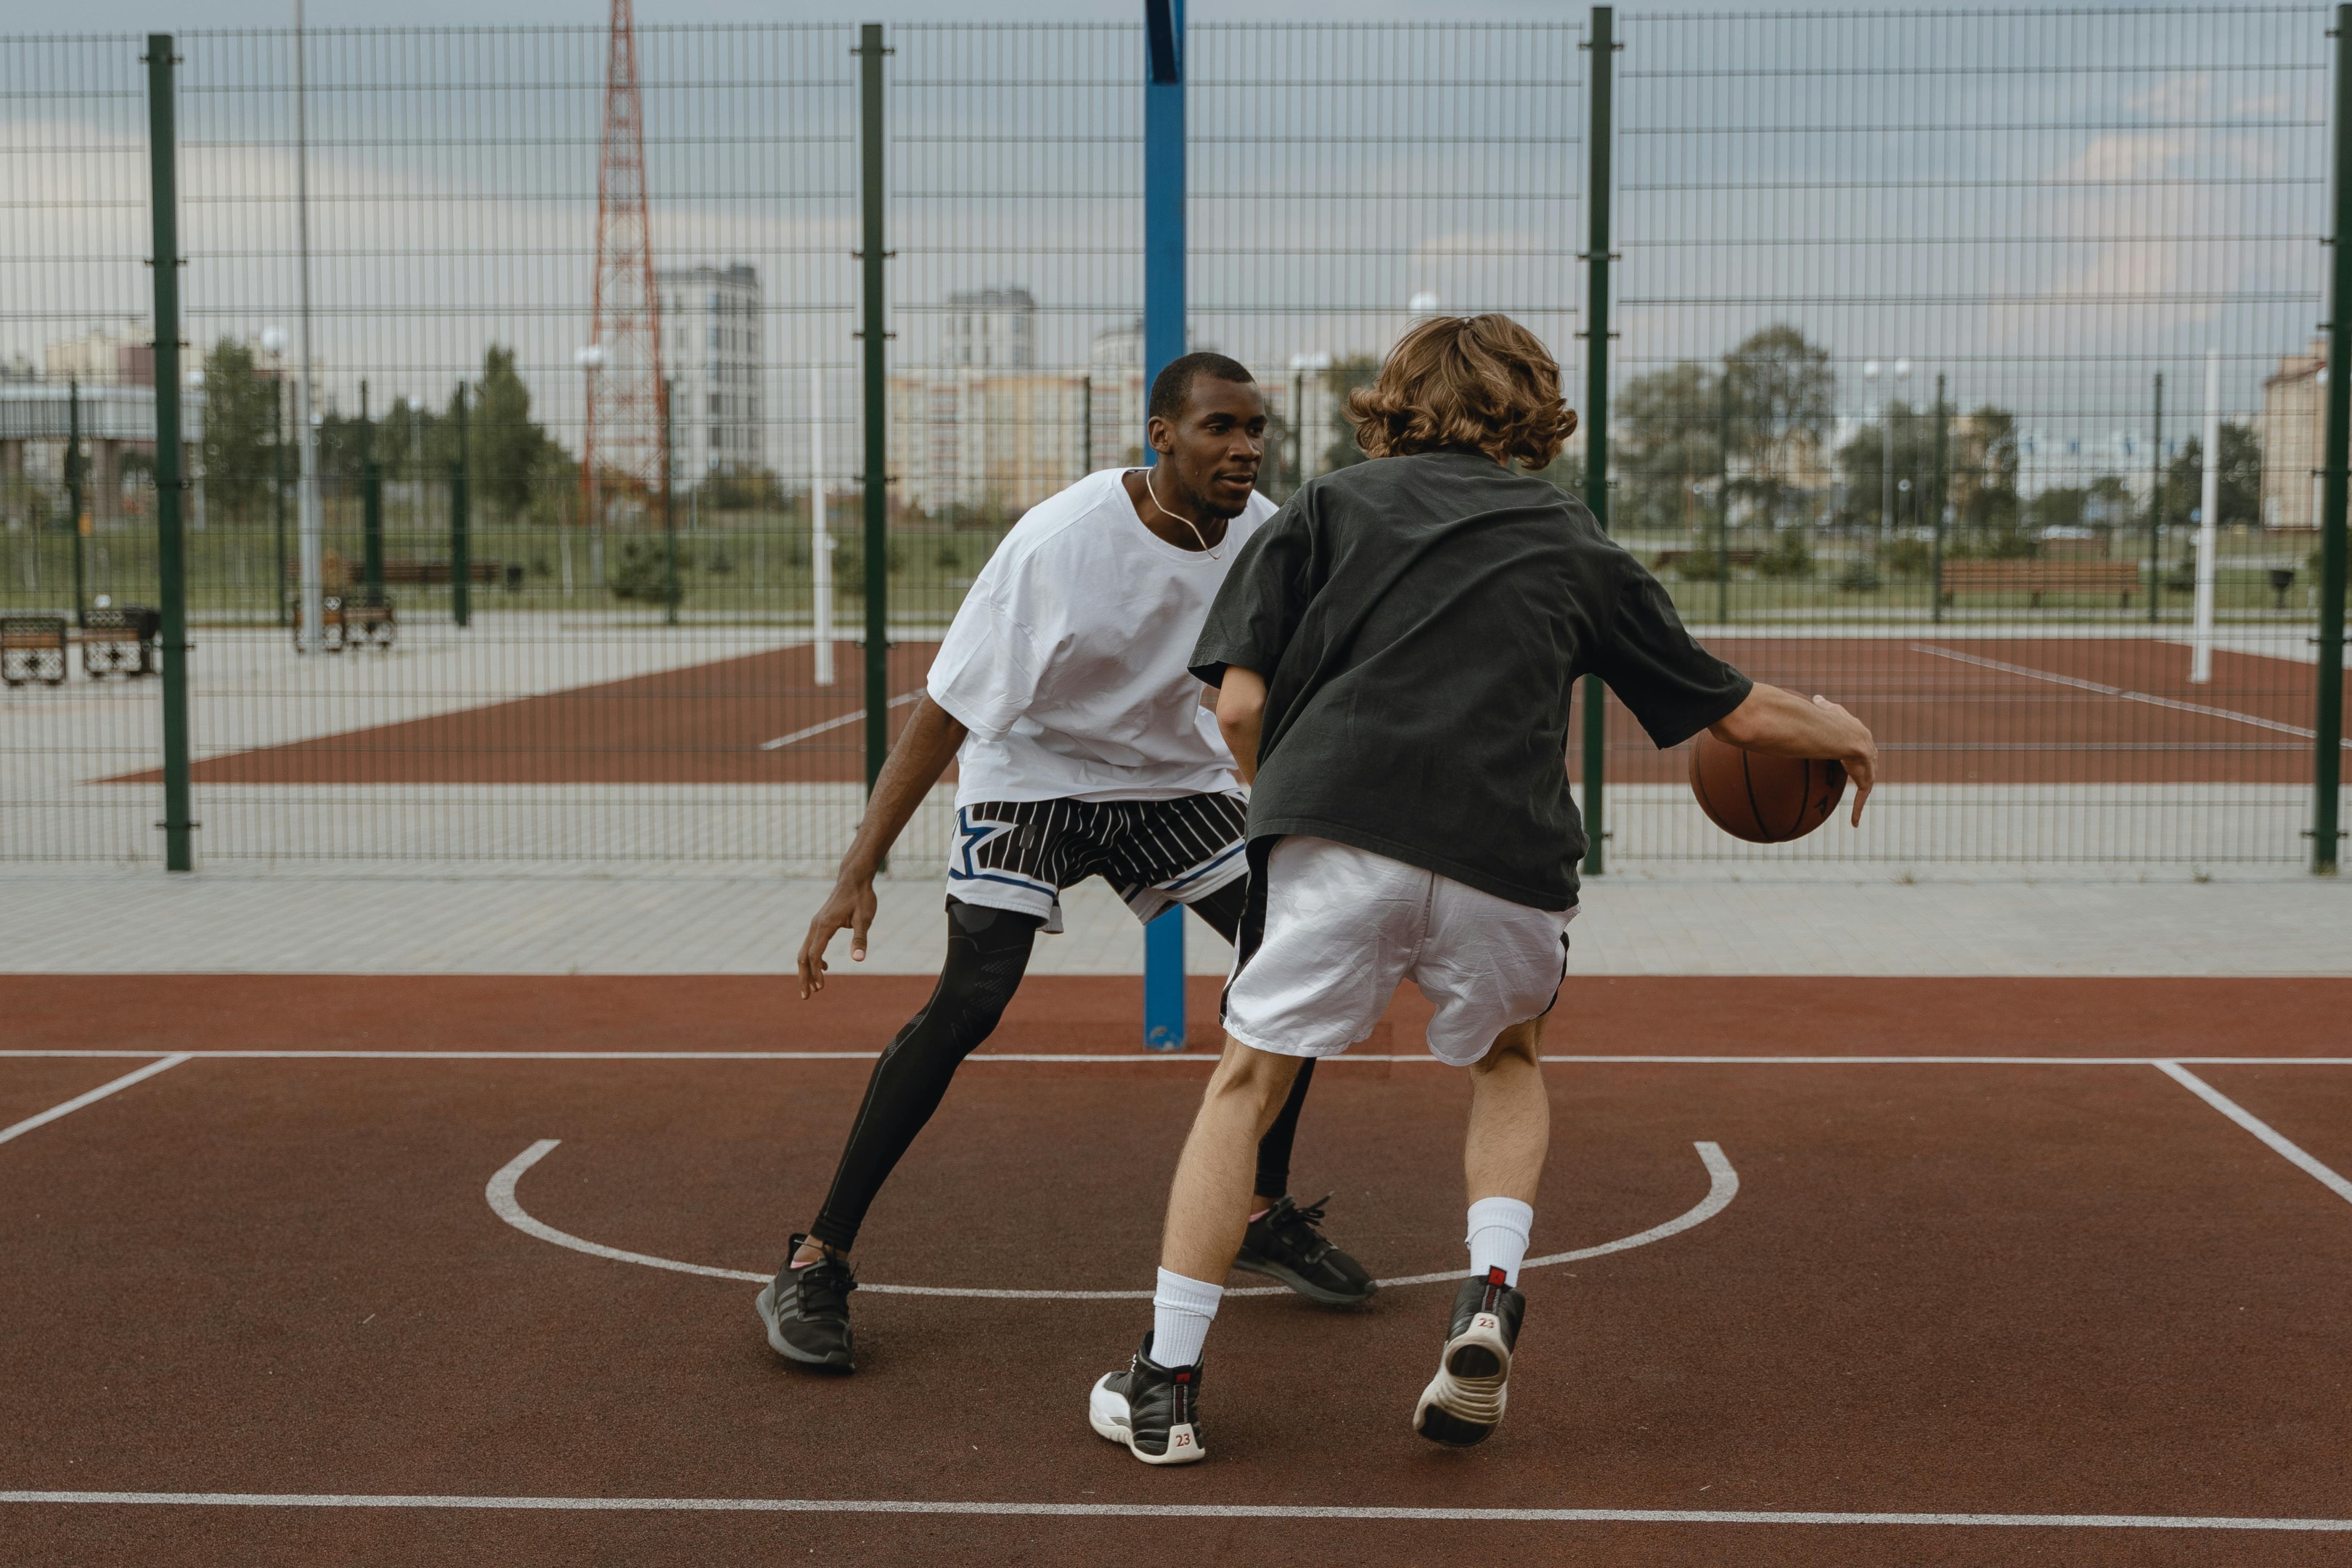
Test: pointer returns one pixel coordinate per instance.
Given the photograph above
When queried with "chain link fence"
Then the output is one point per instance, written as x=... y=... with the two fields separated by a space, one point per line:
x=1893 y=293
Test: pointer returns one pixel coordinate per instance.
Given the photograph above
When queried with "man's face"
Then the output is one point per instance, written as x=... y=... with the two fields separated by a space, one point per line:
x=1214 y=452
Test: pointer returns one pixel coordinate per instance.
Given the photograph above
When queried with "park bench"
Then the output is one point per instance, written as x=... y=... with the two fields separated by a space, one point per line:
x=33 y=648
x=354 y=618
x=2034 y=577
x=120 y=639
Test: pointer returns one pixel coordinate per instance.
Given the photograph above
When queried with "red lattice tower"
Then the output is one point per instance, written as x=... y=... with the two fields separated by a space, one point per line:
x=623 y=455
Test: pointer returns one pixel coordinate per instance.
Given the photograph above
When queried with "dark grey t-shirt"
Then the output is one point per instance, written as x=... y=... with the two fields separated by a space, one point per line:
x=1420 y=622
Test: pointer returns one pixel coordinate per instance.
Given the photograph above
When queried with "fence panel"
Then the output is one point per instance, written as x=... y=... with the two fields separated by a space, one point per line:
x=2018 y=220
x=1896 y=292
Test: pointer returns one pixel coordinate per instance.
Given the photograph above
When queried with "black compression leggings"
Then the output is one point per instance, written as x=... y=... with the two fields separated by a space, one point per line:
x=987 y=952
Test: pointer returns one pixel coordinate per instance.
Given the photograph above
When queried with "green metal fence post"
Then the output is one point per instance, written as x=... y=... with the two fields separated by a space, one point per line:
x=1935 y=549
x=372 y=528
x=2156 y=506
x=1603 y=45
x=461 y=525
x=877 y=499
x=171 y=567
x=278 y=492
x=2328 y=764
x=73 y=495
x=670 y=513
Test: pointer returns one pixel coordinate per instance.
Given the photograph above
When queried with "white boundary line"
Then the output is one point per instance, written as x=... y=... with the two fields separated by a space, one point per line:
x=1198 y=1058
x=2127 y=694
x=1181 y=1510
x=1723 y=1185
x=2290 y=1153
x=781 y=742
x=100 y=1092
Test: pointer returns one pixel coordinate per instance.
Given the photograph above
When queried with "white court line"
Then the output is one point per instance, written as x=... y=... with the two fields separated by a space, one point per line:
x=1184 y=1511
x=781 y=742
x=2292 y=1153
x=1723 y=1185
x=1198 y=1058
x=100 y=1092
x=2127 y=695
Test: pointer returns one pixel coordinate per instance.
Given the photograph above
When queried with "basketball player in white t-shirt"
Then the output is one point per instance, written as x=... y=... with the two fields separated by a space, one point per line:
x=1062 y=693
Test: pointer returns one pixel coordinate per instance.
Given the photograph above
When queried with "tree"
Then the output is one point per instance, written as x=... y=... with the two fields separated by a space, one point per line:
x=1781 y=394
x=1861 y=464
x=1666 y=430
x=240 y=444
x=511 y=453
x=2242 y=478
x=1984 y=480
x=1345 y=375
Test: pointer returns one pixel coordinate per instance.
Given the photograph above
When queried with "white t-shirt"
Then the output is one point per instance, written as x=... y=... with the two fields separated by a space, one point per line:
x=1067 y=661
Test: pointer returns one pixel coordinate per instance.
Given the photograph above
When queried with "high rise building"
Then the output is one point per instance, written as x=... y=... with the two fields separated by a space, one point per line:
x=716 y=357
x=2293 y=432
x=990 y=329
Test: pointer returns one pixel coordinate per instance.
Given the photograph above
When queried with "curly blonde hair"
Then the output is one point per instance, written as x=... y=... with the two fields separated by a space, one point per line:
x=1480 y=381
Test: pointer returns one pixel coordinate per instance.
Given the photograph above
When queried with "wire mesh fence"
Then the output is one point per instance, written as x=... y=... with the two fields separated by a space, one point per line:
x=1894 y=293
x=1897 y=293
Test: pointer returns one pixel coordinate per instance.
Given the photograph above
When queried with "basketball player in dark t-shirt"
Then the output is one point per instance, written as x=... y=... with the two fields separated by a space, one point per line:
x=1396 y=651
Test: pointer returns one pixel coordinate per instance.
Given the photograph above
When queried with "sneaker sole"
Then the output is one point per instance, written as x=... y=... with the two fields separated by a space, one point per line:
x=1463 y=1403
x=785 y=1348
x=1305 y=1286
x=1108 y=1414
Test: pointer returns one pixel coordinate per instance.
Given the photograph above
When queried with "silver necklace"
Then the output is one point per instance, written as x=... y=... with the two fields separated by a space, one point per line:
x=1186 y=522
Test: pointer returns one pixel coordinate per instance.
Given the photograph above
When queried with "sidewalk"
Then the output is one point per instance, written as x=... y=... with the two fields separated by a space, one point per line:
x=86 y=920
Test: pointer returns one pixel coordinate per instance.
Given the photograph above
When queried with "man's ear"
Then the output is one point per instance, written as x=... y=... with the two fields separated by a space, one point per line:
x=1160 y=434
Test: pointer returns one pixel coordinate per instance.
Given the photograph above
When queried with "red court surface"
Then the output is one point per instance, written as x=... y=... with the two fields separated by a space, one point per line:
x=342 y=1287
x=2055 y=710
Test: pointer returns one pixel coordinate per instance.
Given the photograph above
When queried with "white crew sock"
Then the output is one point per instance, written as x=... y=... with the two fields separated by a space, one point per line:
x=1498 y=1237
x=1181 y=1311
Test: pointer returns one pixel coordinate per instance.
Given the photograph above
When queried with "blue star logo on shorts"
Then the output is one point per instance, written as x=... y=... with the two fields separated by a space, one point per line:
x=973 y=834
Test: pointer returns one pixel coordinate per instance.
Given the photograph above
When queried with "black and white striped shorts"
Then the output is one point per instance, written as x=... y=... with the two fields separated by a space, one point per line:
x=1020 y=854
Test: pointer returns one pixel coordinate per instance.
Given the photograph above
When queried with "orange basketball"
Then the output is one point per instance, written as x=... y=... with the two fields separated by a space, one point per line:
x=1764 y=800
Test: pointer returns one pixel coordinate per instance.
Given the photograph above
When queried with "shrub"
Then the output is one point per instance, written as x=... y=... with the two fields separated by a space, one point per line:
x=1786 y=556
x=642 y=573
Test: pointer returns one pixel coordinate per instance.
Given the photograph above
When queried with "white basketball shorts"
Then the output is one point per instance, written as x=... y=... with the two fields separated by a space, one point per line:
x=1342 y=928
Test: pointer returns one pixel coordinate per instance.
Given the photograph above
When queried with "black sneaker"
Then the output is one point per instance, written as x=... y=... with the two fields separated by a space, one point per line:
x=1463 y=1403
x=1151 y=1408
x=807 y=1311
x=1283 y=1244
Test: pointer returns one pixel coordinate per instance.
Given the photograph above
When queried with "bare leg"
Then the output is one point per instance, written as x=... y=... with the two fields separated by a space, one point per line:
x=1510 y=1119
x=1209 y=1202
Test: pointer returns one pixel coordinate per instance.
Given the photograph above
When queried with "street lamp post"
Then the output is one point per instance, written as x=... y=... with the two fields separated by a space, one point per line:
x=590 y=359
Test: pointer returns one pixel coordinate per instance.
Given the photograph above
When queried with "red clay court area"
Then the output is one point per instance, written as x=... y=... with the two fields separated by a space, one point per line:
x=1993 y=711
x=404 y=1270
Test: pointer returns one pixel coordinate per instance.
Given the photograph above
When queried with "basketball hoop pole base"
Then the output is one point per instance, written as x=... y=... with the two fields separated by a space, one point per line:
x=1163 y=982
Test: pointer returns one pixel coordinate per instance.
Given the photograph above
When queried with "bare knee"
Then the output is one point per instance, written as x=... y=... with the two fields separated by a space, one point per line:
x=1516 y=1049
x=1252 y=1080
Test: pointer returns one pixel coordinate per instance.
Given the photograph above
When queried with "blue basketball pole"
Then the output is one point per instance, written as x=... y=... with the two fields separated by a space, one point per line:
x=1163 y=340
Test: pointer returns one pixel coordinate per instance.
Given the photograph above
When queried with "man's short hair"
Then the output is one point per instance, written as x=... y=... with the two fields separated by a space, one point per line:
x=1171 y=389
x=1480 y=381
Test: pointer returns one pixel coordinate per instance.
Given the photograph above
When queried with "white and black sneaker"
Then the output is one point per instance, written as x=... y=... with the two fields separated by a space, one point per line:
x=807 y=1311
x=1152 y=1409
x=1463 y=1403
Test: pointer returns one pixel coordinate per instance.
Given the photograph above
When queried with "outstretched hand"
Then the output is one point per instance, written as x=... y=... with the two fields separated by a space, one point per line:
x=851 y=904
x=1861 y=763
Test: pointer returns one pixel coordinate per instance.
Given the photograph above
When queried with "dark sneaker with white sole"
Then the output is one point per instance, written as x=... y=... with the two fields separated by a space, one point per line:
x=1152 y=1409
x=807 y=1311
x=1284 y=1244
x=1463 y=1403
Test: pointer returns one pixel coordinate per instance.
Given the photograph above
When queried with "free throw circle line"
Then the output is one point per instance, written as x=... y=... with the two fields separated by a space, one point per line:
x=1723 y=1185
